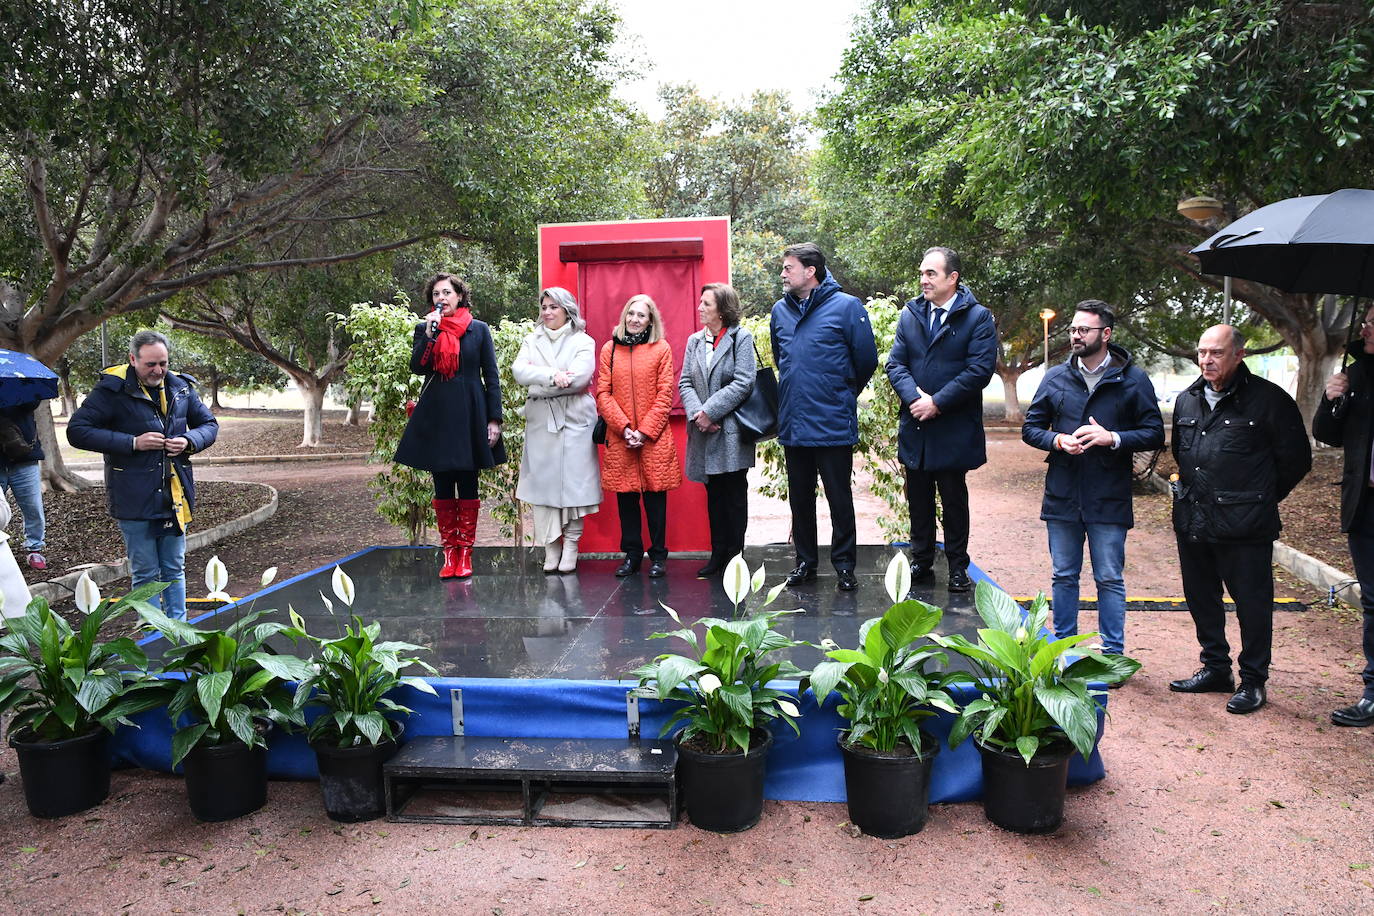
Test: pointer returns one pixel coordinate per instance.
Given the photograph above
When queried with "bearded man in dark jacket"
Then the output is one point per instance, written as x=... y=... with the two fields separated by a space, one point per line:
x=1241 y=447
x=148 y=422
x=1346 y=418
x=1091 y=414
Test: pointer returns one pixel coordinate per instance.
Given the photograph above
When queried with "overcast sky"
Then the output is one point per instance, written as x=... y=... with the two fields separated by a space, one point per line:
x=729 y=48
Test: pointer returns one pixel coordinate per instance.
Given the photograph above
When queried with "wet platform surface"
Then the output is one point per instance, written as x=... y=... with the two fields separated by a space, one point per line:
x=512 y=621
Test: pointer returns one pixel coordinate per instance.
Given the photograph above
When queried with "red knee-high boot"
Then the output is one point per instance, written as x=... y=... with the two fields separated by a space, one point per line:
x=466 y=536
x=446 y=511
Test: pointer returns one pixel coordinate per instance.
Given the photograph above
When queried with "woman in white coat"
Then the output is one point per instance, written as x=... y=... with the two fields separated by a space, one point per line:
x=559 y=476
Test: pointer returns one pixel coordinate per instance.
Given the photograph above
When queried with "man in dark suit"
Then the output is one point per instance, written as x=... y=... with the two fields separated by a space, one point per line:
x=942 y=358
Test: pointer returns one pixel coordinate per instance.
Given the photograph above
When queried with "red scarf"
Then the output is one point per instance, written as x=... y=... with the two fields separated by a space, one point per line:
x=443 y=353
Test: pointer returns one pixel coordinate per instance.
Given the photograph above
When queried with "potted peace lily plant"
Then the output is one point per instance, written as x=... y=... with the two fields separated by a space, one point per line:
x=727 y=705
x=68 y=691
x=1037 y=707
x=351 y=678
x=223 y=690
x=887 y=688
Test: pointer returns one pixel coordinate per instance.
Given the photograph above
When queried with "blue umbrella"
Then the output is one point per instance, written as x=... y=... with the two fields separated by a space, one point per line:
x=24 y=379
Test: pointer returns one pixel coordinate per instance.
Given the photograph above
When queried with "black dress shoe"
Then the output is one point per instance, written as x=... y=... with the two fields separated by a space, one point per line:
x=1205 y=680
x=1357 y=715
x=959 y=580
x=1248 y=698
x=922 y=573
x=710 y=569
x=802 y=573
x=657 y=569
x=845 y=580
x=627 y=567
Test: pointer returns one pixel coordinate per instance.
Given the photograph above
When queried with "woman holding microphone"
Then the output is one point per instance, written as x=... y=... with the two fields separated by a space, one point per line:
x=455 y=430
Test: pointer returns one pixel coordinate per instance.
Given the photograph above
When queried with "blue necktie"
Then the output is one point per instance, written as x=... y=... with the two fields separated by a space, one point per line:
x=935 y=321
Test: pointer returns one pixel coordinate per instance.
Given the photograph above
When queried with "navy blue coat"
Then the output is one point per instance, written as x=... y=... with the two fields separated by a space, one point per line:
x=115 y=414
x=448 y=431
x=825 y=357
x=22 y=417
x=1094 y=487
x=953 y=368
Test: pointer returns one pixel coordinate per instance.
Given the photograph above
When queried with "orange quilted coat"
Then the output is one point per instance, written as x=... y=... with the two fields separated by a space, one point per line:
x=639 y=396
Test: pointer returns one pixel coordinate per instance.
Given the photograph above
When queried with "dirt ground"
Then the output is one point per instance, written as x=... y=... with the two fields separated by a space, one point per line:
x=1200 y=811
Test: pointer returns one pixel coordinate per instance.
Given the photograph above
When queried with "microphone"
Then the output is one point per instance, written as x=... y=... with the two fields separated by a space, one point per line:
x=433 y=321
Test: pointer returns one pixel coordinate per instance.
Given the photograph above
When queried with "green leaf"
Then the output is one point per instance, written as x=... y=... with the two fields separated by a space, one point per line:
x=211 y=689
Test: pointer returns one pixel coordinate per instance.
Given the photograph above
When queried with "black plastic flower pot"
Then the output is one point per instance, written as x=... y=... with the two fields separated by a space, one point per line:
x=724 y=792
x=225 y=781
x=63 y=777
x=351 y=780
x=1025 y=798
x=888 y=793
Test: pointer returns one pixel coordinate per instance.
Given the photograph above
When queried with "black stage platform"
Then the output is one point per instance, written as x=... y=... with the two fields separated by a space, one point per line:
x=512 y=621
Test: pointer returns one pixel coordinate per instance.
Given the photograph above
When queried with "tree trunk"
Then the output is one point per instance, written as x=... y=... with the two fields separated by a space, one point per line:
x=1316 y=362
x=355 y=410
x=1011 y=411
x=67 y=402
x=54 y=469
x=312 y=392
x=214 y=389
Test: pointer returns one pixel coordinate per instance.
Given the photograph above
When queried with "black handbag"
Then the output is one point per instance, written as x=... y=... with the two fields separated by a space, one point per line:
x=599 y=430
x=758 y=415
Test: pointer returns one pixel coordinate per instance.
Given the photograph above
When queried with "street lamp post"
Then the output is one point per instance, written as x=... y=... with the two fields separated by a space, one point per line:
x=1047 y=315
x=1200 y=210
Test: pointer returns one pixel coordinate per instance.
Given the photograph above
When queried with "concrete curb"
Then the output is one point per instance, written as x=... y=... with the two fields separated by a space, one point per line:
x=65 y=586
x=242 y=459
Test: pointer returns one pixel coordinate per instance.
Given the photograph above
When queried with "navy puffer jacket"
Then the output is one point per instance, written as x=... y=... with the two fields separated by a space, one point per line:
x=825 y=355
x=1094 y=487
x=115 y=414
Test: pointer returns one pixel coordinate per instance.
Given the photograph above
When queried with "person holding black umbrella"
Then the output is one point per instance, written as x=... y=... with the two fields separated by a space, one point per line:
x=1346 y=418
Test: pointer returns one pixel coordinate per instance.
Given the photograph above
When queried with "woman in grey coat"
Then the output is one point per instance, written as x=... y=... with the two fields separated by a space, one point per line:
x=717 y=376
x=559 y=475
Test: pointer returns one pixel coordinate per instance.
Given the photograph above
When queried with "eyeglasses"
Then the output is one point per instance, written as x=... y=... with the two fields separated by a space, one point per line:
x=1366 y=324
x=1081 y=332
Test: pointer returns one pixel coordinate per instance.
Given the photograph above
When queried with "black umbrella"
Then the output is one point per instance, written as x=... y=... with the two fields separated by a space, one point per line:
x=1318 y=244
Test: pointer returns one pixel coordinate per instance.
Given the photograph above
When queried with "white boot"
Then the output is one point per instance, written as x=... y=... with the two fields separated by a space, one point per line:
x=553 y=550
x=572 y=533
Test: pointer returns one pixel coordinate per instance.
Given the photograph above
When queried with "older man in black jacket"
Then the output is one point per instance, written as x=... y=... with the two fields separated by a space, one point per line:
x=1346 y=418
x=1241 y=447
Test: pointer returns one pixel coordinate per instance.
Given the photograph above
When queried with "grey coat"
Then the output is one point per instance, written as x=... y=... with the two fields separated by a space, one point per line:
x=717 y=389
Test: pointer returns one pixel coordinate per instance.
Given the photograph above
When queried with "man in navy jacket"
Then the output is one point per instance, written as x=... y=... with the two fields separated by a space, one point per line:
x=147 y=422
x=1091 y=413
x=824 y=348
x=942 y=358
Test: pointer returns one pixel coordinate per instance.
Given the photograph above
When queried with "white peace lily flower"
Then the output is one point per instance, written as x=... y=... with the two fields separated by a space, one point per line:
x=268 y=575
x=219 y=596
x=671 y=613
x=87 y=594
x=829 y=644
x=883 y=676
x=1020 y=634
x=736 y=580
x=216 y=575
x=328 y=605
x=757 y=582
x=709 y=684
x=898 y=577
x=788 y=708
x=343 y=586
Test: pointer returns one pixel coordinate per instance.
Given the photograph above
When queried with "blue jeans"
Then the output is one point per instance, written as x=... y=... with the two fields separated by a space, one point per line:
x=26 y=483
x=1107 y=547
x=157 y=558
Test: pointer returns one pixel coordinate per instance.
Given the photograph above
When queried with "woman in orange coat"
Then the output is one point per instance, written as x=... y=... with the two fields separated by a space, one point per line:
x=634 y=392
